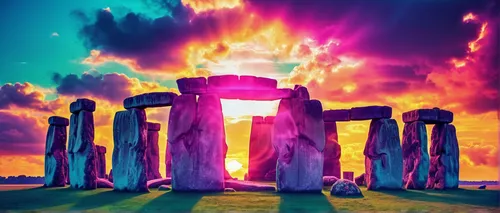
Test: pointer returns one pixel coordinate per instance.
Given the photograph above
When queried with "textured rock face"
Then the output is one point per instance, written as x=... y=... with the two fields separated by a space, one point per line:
x=245 y=186
x=82 y=104
x=360 y=180
x=299 y=139
x=262 y=157
x=192 y=85
x=195 y=140
x=129 y=153
x=153 y=152
x=428 y=116
x=56 y=159
x=444 y=164
x=334 y=115
x=345 y=188
x=82 y=151
x=383 y=156
x=370 y=112
x=101 y=161
x=332 y=152
x=154 y=99
x=415 y=155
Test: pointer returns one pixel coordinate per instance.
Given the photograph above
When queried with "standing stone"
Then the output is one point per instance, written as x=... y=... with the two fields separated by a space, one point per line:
x=168 y=162
x=332 y=151
x=415 y=155
x=299 y=139
x=444 y=166
x=101 y=161
x=129 y=153
x=262 y=157
x=82 y=150
x=348 y=175
x=360 y=180
x=153 y=151
x=383 y=156
x=56 y=159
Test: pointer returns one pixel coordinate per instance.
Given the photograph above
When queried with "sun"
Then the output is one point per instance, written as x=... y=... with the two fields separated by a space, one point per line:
x=233 y=166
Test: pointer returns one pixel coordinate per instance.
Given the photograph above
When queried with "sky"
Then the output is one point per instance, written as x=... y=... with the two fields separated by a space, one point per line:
x=407 y=54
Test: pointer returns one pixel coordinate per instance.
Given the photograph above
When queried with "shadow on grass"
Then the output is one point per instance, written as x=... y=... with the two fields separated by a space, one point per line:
x=102 y=199
x=304 y=202
x=486 y=198
x=174 y=202
x=37 y=198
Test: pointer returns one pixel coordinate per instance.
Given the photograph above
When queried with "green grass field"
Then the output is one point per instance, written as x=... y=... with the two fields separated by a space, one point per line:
x=104 y=200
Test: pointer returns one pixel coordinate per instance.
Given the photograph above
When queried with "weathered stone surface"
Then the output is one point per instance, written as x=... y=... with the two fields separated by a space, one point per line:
x=428 y=116
x=243 y=82
x=246 y=186
x=58 y=121
x=210 y=135
x=153 y=99
x=329 y=180
x=154 y=126
x=444 y=164
x=348 y=175
x=82 y=104
x=164 y=188
x=101 y=161
x=360 y=180
x=192 y=85
x=168 y=162
x=153 y=152
x=82 y=151
x=343 y=188
x=56 y=159
x=299 y=139
x=332 y=152
x=254 y=94
x=334 y=115
x=104 y=183
x=155 y=183
x=129 y=153
x=370 y=112
x=300 y=92
x=271 y=175
x=383 y=156
x=195 y=140
x=415 y=155
x=262 y=156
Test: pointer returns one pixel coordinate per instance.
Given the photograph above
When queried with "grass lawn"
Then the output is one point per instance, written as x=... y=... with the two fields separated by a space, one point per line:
x=103 y=200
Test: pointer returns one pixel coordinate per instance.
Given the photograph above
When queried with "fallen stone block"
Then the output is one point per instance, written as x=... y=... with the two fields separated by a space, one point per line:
x=164 y=188
x=482 y=187
x=428 y=116
x=415 y=155
x=383 y=156
x=155 y=183
x=370 y=112
x=444 y=164
x=82 y=104
x=345 y=188
x=154 y=99
x=58 y=121
x=104 y=183
x=329 y=180
x=229 y=190
x=247 y=186
x=192 y=85
x=360 y=180
x=334 y=115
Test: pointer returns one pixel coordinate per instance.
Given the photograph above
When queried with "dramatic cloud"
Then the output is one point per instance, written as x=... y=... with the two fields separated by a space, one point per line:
x=21 y=134
x=113 y=87
x=478 y=154
x=24 y=96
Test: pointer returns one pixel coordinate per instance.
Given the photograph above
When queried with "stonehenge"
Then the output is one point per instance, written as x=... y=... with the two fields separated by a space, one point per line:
x=82 y=154
x=101 y=161
x=56 y=157
x=261 y=155
x=298 y=148
x=440 y=171
x=153 y=151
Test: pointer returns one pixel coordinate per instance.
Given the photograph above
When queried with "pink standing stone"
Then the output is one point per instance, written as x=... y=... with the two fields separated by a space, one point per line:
x=332 y=151
x=153 y=152
x=262 y=156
